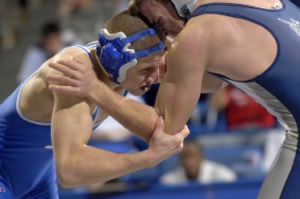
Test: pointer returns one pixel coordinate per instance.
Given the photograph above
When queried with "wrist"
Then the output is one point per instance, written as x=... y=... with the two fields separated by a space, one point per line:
x=151 y=158
x=95 y=86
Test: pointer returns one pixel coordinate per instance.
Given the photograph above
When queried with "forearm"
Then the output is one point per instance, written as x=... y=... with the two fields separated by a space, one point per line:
x=176 y=104
x=136 y=117
x=89 y=165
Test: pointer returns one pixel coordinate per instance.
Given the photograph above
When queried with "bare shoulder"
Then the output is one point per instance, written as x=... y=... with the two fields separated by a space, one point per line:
x=208 y=35
x=200 y=36
x=212 y=29
x=68 y=53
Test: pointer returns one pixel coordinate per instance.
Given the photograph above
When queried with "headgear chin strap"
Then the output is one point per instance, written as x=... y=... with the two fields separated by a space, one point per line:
x=114 y=55
x=184 y=7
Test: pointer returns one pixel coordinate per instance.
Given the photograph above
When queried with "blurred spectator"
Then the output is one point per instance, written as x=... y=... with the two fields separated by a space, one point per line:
x=23 y=5
x=81 y=20
x=250 y=165
x=49 y=44
x=10 y=19
x=241 y=111
x=13 y=15
x=194 y=167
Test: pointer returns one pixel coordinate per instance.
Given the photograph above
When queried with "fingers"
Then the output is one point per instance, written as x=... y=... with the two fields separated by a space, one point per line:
x=63 y=79
x=183 y=133
x=80 y=61
x=70 y=64
x=63 y=89
x=65 y=70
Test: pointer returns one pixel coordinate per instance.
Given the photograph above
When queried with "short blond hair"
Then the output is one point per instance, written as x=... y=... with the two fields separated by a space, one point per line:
x=129 y=24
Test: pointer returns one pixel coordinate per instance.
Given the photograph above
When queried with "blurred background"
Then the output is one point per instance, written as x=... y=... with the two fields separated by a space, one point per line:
x=233 y=140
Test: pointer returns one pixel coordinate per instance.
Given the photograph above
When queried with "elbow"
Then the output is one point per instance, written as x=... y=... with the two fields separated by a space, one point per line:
x=63 y=177
x=64 y=182
x=151 y=122
x=65 y=174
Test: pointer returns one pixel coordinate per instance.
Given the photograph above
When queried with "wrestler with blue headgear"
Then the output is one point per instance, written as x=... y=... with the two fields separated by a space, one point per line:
x=44 y=134
x=119 y=52
x=115 y=55
x=130 y=59
x=253 y=45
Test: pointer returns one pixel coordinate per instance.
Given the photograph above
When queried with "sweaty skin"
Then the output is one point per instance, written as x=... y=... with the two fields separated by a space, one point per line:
x=144 y=117
x=247 y=43
x=71 y=123
x=233 y=47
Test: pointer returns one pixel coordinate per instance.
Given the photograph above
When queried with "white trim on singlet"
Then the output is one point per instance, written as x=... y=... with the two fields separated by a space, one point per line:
x=30 y=120
x=18 y=107
x=100 y=122
x=87 y=51
x=47 y=123
x=94 y=121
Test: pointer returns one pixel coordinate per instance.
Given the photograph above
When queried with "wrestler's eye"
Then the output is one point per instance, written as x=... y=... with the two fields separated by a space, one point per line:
x=145 y=70
x=159 y=21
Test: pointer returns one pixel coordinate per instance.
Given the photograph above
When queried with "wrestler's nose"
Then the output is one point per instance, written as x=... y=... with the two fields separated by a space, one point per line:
x=153 y=78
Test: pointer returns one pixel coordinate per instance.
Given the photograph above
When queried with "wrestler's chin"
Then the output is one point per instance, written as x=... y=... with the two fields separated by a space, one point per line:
x=145 y=88
x=140 y=91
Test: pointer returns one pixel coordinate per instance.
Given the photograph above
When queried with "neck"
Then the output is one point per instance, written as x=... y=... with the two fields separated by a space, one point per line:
x=101 y=73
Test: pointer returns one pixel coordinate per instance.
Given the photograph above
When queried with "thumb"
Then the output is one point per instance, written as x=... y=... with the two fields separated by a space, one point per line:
x=183 y=133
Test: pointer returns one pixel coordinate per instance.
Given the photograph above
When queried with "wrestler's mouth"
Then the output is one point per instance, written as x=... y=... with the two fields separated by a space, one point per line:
x=146 y=87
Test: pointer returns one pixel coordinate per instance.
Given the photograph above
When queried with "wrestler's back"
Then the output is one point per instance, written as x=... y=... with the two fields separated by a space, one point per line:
x=259 y=53
x=274 y=84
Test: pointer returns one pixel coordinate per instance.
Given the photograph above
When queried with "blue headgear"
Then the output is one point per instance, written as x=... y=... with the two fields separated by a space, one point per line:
x=114 y=55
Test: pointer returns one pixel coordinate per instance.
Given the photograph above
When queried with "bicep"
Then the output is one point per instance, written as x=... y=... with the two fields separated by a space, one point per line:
x=71 y=125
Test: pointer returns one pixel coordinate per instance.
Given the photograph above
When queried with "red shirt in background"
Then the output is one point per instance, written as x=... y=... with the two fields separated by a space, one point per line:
x=242 y=111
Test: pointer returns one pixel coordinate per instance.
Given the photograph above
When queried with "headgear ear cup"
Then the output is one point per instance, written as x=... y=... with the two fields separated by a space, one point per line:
x=111 y=57
x=102 y=41
x=107 y=54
